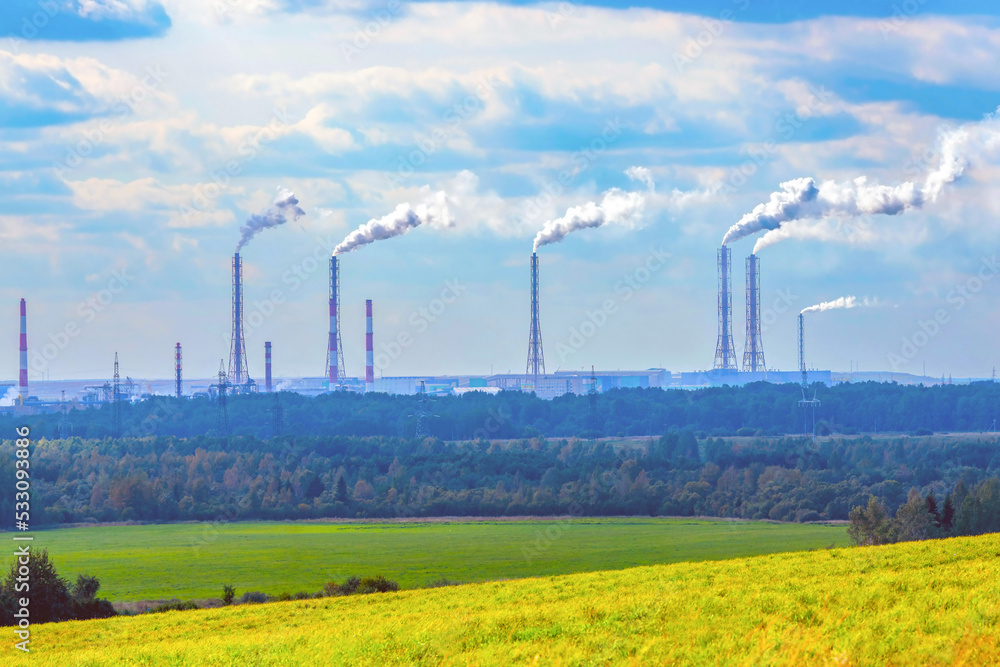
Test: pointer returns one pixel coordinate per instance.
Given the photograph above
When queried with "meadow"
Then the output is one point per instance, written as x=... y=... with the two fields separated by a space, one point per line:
x=191 y=560
x=915 y=603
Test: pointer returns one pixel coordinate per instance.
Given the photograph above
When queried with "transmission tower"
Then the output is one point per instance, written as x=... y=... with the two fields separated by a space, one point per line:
x=536 y=357
x=223 y=424
x=116 y=401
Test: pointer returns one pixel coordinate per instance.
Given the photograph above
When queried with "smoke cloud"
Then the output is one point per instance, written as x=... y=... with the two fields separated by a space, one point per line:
x=10 y=398
x=842 y=302
x=433 y=212
x=804 y=198
x=284 y=205
x=617 y=207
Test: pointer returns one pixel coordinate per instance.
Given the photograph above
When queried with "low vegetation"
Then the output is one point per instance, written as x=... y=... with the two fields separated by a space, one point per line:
x=918 y=603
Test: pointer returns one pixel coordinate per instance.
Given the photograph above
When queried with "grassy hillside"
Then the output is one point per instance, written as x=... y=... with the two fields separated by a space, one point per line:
x=929 y=603
x=195 y=560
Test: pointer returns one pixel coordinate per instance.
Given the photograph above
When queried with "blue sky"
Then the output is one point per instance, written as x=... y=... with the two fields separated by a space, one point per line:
x=138 y=135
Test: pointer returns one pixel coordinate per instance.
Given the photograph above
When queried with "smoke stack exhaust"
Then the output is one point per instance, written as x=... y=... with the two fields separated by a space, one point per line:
x=267 y=366
x=177 y=370
x=753 y=353
x=238 y=370
x=369 y=349
x=536 y=357
x=22 y=389
x=802 y=350
x=725 y=350
x=334 y=350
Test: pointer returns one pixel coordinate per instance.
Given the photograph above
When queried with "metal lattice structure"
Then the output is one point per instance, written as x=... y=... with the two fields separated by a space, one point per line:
x=335 y=347
x=116 y=404
x=178 y=388
x=22 y=387
x=725 y=351
x=238 y=371
x=808 y=405
x=267 y=366
x=753 y=352
x=223 y=423
x=536 y=357
x=369 y=349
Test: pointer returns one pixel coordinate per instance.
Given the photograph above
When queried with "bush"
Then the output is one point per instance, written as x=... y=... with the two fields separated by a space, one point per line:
x=302 y=595
x=228 y=593
x=174 y=605
x=253 y=597
x=377 y=584
x=443 y=581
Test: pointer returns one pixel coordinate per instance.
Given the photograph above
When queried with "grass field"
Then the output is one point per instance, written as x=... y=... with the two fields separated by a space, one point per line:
x=195 y=560
x=918 y=603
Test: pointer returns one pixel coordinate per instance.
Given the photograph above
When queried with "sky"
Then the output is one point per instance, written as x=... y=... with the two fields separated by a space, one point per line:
x=138 y=136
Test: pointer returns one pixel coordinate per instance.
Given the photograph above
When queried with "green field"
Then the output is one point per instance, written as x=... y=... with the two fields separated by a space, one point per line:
x=914 y=603
x=195 y=560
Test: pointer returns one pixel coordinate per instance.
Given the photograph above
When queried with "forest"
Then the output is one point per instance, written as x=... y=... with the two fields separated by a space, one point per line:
x=756 y=409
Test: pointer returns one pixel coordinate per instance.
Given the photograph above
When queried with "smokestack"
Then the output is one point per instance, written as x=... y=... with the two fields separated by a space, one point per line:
x=802 y=350
x=22 y=389
x=177 y=370
x=334 y=350
x=369 y=349
x=753 y=352
x=536 y=357
x=238 y=370
x=725 y=350
x=267 y=366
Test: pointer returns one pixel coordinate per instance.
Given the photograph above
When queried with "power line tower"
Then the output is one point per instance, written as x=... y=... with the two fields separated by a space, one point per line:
x=725 y=350
x=808 y=405
x=753 y=353
x=177 y=370
x=592 y=397
x=116 y=400
x=422 y=430
x=536 y=357
x=223 y=423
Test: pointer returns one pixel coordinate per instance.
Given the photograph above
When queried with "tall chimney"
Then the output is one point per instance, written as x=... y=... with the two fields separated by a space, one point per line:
x=725 y=351
x=753 y=353
x=536 y=357
x=267 y=366
x=177 y=371
x=802 y=350
x=22 y=389
x=369 y=350
x=238 y=370
x=334 y=350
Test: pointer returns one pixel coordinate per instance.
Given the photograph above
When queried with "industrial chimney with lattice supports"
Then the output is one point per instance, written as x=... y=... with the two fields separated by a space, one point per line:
x=753 y=352
x=177 y=371
x=238 y=371
x=725 y=351
x=22 y=387
x=802 y=350
x=369 y=349
x=334 y=348
x=267 y=366
x=536 y=357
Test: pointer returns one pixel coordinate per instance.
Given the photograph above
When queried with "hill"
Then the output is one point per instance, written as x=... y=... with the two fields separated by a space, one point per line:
x=917 y=603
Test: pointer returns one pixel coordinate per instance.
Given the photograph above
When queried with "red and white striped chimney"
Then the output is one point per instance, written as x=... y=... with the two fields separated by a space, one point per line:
x=22 y=390
x=332 y=349
x=369 y=350
x=267 y=366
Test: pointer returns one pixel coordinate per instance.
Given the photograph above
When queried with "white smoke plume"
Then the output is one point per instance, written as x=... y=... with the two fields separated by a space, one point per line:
x=284 y=205
x=842 y=302
x=617 y=207
x=804 y=198
x=432 y=212
x=10 y=398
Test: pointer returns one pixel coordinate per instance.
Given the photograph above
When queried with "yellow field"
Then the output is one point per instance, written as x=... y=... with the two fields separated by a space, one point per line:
x=930 y=603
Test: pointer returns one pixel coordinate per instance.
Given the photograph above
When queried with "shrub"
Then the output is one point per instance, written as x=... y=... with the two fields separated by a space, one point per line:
x=377 y=584
x=443 y=581
x=284 y=597
x=228 y=593
x=253 y=597
x=302 y=595
x=173 y=605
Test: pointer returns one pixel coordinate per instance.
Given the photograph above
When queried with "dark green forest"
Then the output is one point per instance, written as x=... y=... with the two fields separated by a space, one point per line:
x=756 y=409
x=346 y=455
